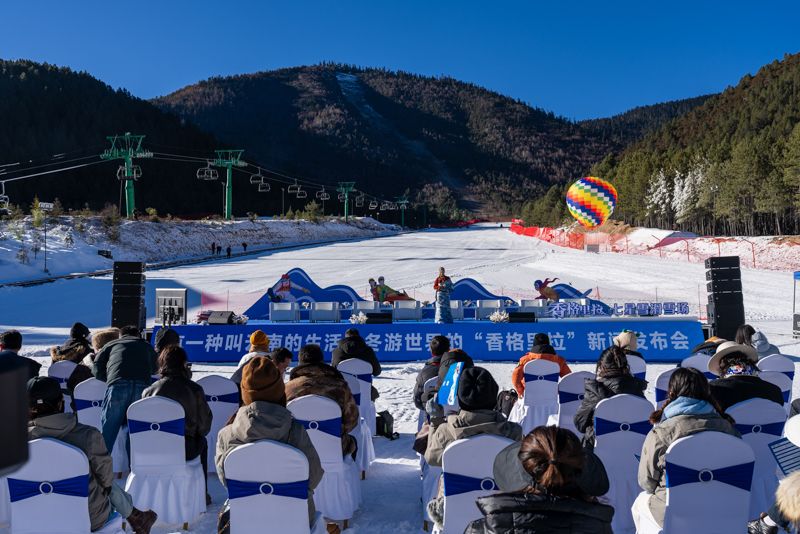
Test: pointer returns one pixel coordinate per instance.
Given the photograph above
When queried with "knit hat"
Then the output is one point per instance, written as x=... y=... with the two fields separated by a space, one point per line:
x=477 y=389
x=261 y=381
x=626 y=340
x=44 y=390
x=166 y=337
x=78 y=331
x=102 y=337
x=541 y=339
x=259 y=339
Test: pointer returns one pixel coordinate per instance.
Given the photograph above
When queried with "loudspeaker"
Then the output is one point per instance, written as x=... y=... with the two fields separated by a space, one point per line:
x=379 y=318
x=723 y=262
x=726 y=319
x=129 y=278
x=521 y=317
x=127 y=290
x=14 y=423
x=725 y=299
x=724 y=286
x=128 y=311
x=725 y=302
x=221 y=317
x=128 y=266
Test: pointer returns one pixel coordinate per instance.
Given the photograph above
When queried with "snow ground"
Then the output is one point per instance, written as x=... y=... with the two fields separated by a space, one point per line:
x=504 y=262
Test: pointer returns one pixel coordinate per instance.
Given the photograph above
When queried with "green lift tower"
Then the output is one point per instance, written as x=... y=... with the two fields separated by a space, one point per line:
x=345 y=188
x=127 y=147
x=228 y=159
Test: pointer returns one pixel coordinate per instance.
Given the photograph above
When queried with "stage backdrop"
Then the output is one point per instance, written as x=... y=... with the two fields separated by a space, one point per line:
x=580 y=340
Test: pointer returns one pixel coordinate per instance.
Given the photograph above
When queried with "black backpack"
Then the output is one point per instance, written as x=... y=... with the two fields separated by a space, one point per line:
x=384 y=425
x=505 y=401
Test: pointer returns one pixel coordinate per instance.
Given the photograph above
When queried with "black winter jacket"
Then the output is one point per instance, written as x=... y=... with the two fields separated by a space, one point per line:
x=198 y=415
x=126 y=358
x=429 y=370
x=597 y=389
x=356 y=347
x=449 y=359
x=734 y=389
x=310 y=369
x=11 y=359
x=528 y=513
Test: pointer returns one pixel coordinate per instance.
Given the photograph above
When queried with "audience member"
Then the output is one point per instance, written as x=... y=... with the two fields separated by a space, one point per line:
x=264 y=416
x=788 y=499
x=689 y=409
x=76 y=348
x=176 y=384
x=282 y=358
x=10 y=345
x=628 y=340
x=100 y=339
x=126 y=365
x=763 y=346
x=166 y=337
x=744 y=335
x=311 y=362
x=439 y=345
x=738 y=381
x=354 y=346
x=259 y=346
x=541 y=350
x=553 y=501
x=612 y=377
x=48 y=420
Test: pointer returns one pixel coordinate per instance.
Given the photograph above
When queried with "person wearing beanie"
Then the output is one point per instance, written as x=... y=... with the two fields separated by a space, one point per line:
x=311 y=362
x=166 y=337
x=264 y=416
x=259 y=346
x=176 y=384
x=79 y=331
x=48 y=420
x=100 y=339
x=628 y=340
x=477 y=395
x=76 y=348
x=541 y=350
x=354 y=346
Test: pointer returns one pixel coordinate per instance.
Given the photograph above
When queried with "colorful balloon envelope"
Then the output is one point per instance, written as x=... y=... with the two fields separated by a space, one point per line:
x=591 y=201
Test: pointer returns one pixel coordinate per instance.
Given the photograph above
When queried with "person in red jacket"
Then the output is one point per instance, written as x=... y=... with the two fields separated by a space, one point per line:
x=541 y=350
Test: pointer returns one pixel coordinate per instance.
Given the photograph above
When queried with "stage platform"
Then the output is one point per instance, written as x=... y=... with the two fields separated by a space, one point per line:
x=661 y=339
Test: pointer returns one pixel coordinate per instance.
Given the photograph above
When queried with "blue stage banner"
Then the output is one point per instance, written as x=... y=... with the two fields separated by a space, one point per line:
x=579 y=340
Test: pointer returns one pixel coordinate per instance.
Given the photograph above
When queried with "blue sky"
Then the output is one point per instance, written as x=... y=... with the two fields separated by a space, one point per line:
x=577 y=59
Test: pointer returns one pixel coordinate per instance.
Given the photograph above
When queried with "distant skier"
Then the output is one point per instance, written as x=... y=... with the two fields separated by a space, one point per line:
x=219 y=250
x=228 y=252
x=244 y=246
x=283 y=289
x=213 y=247
x=546 y=292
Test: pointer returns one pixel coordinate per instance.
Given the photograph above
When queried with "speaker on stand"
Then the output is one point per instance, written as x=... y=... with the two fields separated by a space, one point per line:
x=127 y=290
x=725 y=299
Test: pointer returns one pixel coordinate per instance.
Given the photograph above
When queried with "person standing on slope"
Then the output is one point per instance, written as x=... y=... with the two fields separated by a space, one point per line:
x=443 y=287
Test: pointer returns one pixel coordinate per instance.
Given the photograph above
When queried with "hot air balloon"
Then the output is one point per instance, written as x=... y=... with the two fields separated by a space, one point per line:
x=591 y=201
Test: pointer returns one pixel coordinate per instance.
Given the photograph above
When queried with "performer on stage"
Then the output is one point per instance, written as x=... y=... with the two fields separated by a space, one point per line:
x=545 y=292
x=443 y=286
x=373 y=289
x=387 y=294
x=283 y=289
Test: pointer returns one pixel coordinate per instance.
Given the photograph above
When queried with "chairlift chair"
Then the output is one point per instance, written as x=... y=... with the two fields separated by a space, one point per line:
x=207 y=173
x=373 y=205
x=360 y=200
x=263 y=187
x=302 y=194
x=293 y=189
x=384 y=206
x=323 y=195
x=341 y=197
x=257 y=178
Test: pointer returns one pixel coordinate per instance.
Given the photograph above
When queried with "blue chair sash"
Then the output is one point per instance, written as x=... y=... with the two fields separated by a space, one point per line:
x=455 y=484
x=774 y=429
x=357 y=398
x=604 y=426
x=83 y=404
x=786 y=395
x=739 y=476
x=640 y=375
x=790 y=374
x=535 y=378
x=24 y=489
x=329 y=426
x=365 y=377
x=176 y=426
x=233 y=398
x=661 y=395
x=565 y=397
x=238 y=489
x=710 y=375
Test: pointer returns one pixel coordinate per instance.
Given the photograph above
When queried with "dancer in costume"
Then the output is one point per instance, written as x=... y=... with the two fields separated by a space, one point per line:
x=283 y=289
x=546 y=292
x=387 y=294
x=443 y=287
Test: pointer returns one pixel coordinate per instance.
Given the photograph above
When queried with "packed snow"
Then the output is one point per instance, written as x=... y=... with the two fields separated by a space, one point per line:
x=505 y=263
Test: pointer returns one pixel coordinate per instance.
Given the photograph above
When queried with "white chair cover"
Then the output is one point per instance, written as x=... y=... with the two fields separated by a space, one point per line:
x=51 y=492
x=427 y=388
x=468 y=473
x=430 y=486
x=540 y=399
x=779 y=363
x=339 y=493
x=363 y=372
x=267 y=484
x=222 y=396
x=693 y=503
x=161 y=479
x=88 y=400
x=5 y=507
x=760 y=422
x=782 y=381
x=570 y=394
x=662 y=386
x=637 y=365
x=61 y=371
x=620 y=425
x=365 y=454
x=699 y=362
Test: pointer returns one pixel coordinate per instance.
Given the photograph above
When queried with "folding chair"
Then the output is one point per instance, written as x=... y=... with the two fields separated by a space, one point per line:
x=61 y=371
x=222 y=397
x=570 y=394
x=540 y=399
x=363 y=372
x=88 y=401
x=662 y=386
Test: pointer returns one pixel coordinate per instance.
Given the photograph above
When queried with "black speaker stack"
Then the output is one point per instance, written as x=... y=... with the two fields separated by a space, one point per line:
x=521 y=317
x=127 y=290
x=725 y=302
x=379 y=318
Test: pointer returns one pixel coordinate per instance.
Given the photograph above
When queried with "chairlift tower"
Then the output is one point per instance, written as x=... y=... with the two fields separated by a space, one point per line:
x=344 y=189
x=228 y=159
x=127 y=147
x=402 y=203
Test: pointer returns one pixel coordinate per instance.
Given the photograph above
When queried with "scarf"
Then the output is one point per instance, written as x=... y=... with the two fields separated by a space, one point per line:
x=741 y=370
x=687 y=406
